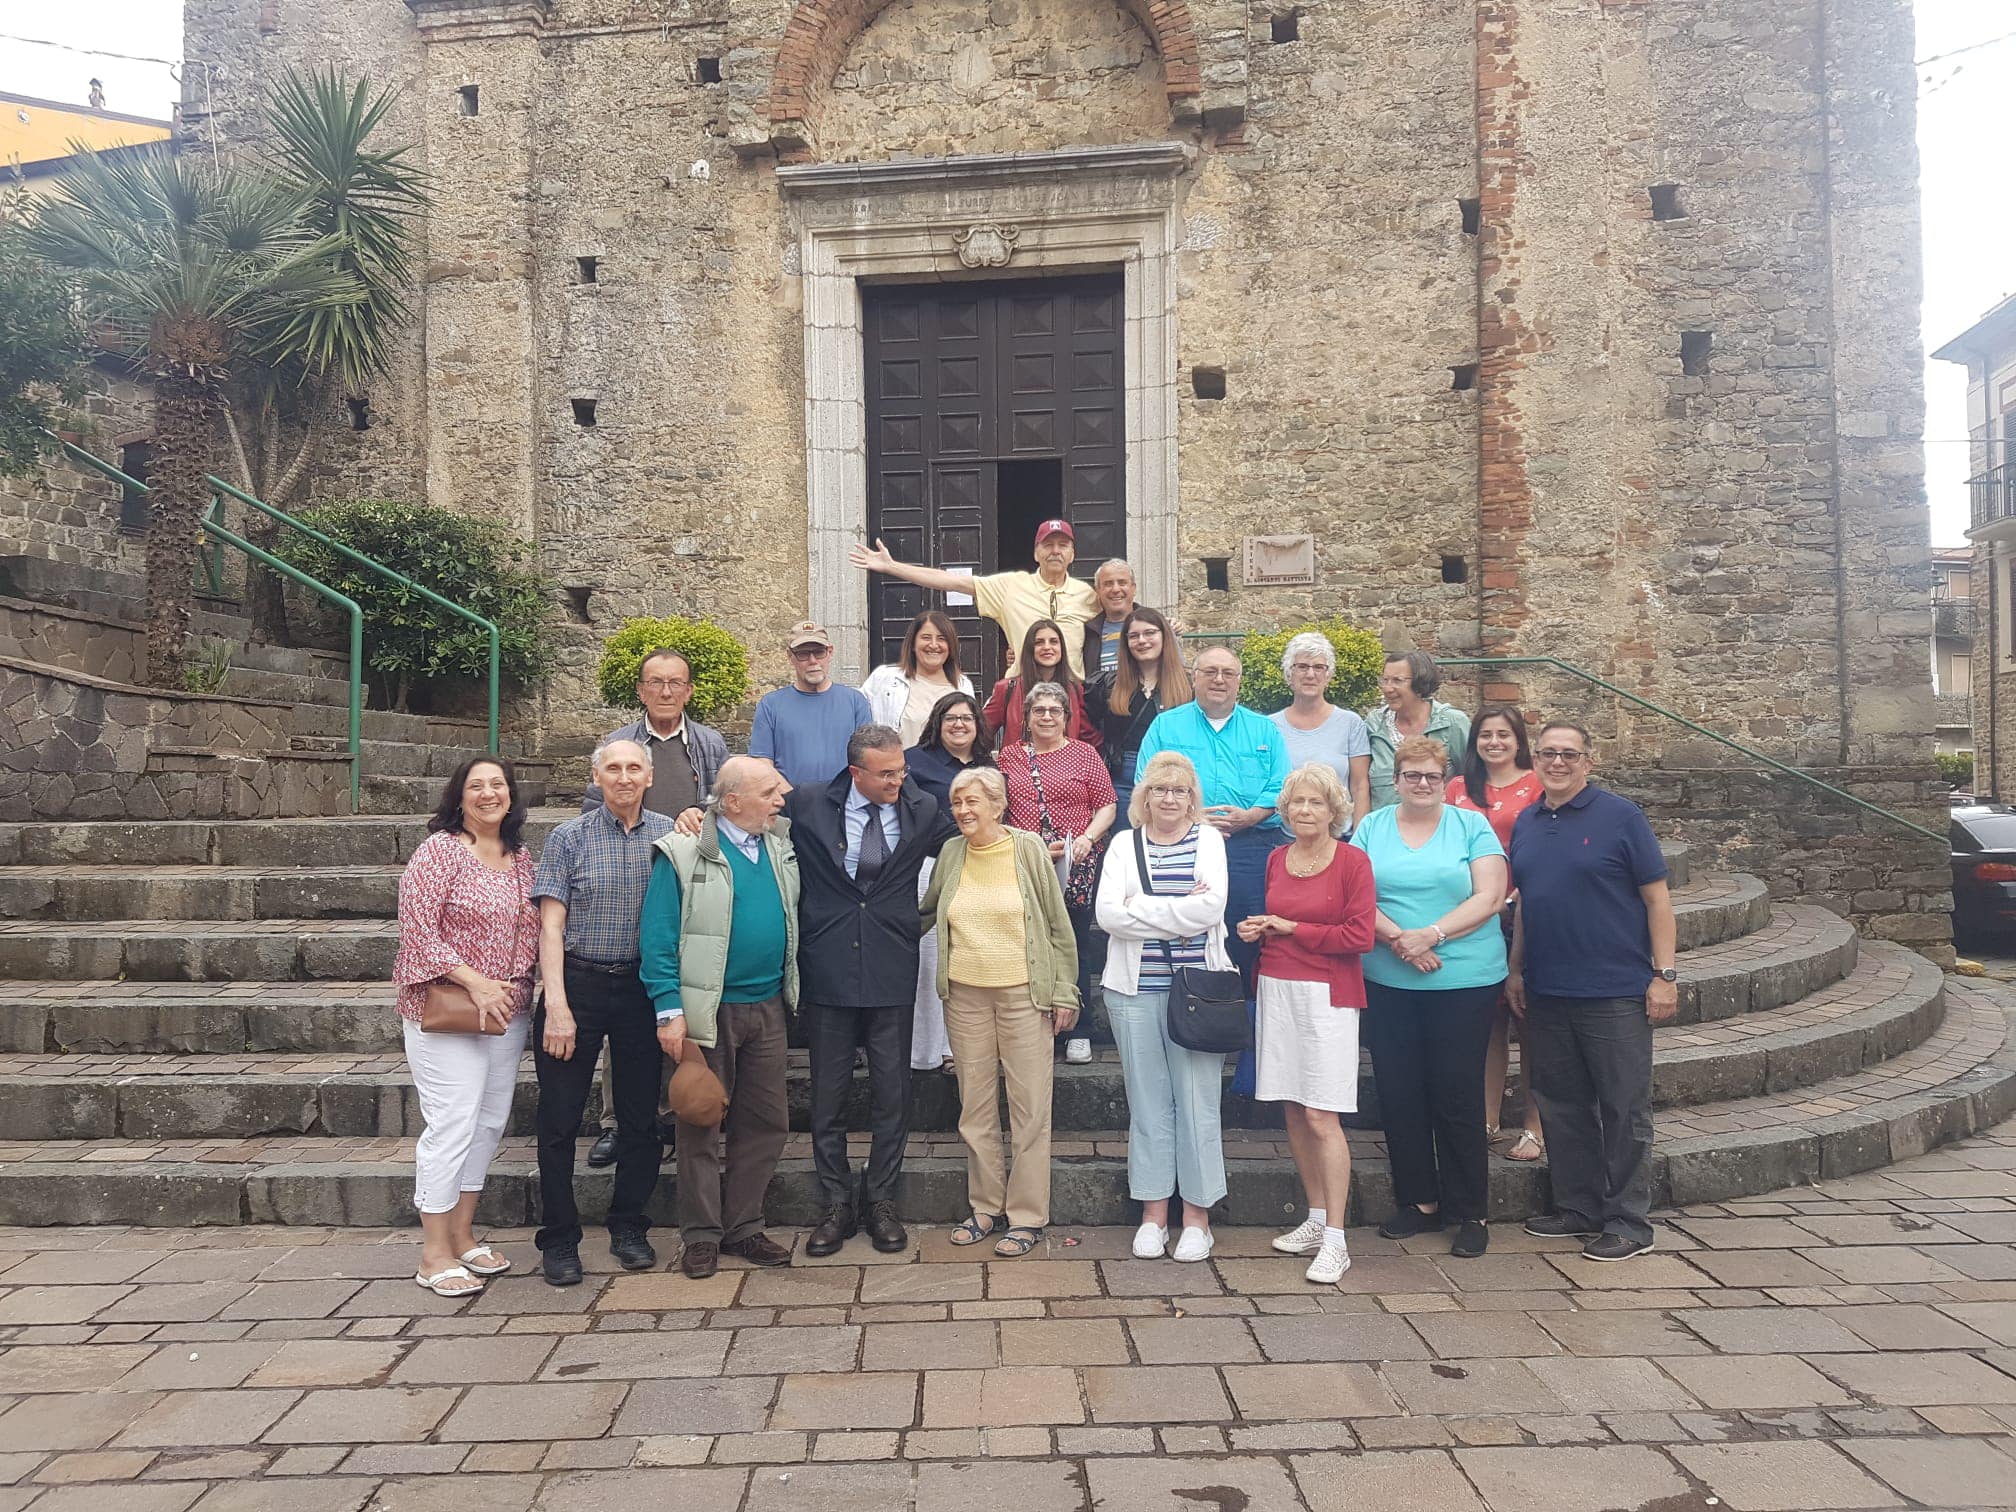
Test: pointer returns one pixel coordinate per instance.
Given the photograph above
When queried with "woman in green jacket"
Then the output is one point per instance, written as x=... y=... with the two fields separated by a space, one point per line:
x=1008 y=972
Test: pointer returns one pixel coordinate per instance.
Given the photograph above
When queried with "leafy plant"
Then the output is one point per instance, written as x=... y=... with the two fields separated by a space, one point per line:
x=43 y=350
x=408 y=639
x=206 y=670
x=1360 y=657
x=1956 y=771
x=720 y=663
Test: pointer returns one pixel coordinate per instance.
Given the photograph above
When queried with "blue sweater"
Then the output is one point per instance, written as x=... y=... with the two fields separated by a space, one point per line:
x=806 y=733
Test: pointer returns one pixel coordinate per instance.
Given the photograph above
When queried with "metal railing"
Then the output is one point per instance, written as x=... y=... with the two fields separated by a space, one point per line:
x=1993 y=494
x=223 y=537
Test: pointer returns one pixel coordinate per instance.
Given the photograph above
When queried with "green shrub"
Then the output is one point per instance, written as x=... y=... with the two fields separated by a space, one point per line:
x=409 y=640
x=1360 y=658
x=1956 y=771
x=720 y=663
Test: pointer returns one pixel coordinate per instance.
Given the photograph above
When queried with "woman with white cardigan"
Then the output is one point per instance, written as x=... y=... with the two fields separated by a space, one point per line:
x=901 y=694
x=1174 y=917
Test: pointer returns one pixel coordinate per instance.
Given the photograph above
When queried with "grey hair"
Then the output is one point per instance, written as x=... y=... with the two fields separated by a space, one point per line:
x=602 y=751
x=871 y=737
x=1049 y=690
x=1122 y=563
x=988 y=779
x=1309 y=643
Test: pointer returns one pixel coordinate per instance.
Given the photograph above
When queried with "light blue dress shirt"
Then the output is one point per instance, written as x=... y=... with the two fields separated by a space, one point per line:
x=855 y=817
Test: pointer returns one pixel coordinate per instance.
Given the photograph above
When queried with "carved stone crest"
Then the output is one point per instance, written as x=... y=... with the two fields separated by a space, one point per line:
x=987 y=245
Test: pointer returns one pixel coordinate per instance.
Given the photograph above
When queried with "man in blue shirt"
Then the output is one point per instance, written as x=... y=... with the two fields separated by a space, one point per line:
x=803 y=728
x=1591 y=972
x=1241 y=760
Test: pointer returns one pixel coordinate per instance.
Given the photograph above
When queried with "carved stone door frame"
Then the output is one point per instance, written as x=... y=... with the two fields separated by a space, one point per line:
x=922 y=219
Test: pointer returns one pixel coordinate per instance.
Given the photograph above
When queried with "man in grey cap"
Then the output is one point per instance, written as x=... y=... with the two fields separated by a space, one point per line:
x=803 y=727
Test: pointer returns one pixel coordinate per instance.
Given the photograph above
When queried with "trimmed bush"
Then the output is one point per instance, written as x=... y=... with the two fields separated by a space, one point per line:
x=1956 y=771
x=720 y=663
x=1360 y=658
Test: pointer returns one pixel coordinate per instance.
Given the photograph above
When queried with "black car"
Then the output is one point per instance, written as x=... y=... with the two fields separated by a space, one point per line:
x=1984 y=871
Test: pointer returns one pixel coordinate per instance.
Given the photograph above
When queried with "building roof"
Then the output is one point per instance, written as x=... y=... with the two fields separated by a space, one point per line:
x=1993 y=332
x=34 y=132
x=1955 y=555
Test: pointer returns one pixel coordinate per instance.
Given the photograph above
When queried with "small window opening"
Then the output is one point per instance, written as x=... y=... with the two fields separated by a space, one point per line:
x=133 y=460
x=709 y=70
x=1463 y=377
x=1287 y=28
x=1473 y=215
x=360 y=412
x=584 y=411
x=1455 y=570
x=1218 y=574
x=577 y=605
x=585 y=269
x=1208 y=382
x=467 y=96
x=1694 y=347
x=1666 y=203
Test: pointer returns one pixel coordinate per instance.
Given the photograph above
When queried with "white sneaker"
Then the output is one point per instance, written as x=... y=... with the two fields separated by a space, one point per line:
x=1328 y=1268
x=1078 y=1052
x=1304 y=1239
x=1151 y=1241
x=1194 y=1245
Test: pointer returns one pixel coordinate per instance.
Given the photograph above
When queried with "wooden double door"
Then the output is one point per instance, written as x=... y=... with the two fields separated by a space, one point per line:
x=991 y=407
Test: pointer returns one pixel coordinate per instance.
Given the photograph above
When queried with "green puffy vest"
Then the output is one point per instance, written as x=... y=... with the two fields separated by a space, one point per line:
x=706 y=909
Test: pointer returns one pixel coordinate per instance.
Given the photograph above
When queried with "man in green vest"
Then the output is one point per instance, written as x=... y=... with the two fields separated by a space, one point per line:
x=719 y=957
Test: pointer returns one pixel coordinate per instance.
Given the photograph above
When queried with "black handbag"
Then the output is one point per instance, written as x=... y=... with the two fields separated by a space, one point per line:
x=1206 y=1008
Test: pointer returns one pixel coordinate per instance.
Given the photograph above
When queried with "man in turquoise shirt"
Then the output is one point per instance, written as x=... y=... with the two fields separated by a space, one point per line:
x=1241 y=761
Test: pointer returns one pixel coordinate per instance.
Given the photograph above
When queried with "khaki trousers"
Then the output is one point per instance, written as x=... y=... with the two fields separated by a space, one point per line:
x=721 y=1198
x=997 y=1033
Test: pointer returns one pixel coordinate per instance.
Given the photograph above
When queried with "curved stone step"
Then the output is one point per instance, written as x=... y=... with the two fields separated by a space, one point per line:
x=1715 y=909
x=339 y=840
x=176 y=950
x=198 y=893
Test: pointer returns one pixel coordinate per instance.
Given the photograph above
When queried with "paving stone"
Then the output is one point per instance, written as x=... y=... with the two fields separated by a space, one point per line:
x=921 y=1346
x=1466 y=1336
x=186 y=1302
x=861 y=1400
x=759 y=1449
x=1090 y=1341
x=942 y=1443
x=310 y=1461
x=961 y=1487
x=1645 y=1271
x=1092 y=1442
x=457 y=1362
x=789 y=1286
x=329 y=1362
x=1754 y=1381
x=1192 y=1341
x=1770 y=1330
x=1948 y=1472
x=89 y=1268
x=603 y=1356
x=406 y=1459
x=1931 y=1379
x=1153 y=1278
x=70 y=1422
x=1992 y=1320
x=1632 y=1332
x=1275 y=1438
x=95 y=1465
x=791 y=1351
x=929 y=1283
x=1782 y=1477
x=1770 y=1267
x=1155 y=1394
x=1309 y=1391
x=1012 y=1396
x=814 y=1488
x=1439 y=1388
x=662 y=1449
x=548 y=1410
x=1338 y=1336
x=188 y=1366
x=1025 y=1442
x=337 y=1494
x=1889 y=1228
x=725 y=1404
x=1610 y=1385
x=1878 y=1265
x=1745 y=1233
x=58 y=1304
x=1048 y=1280
x=517 y=1296
x=1907 y=1326
x=1421 y=1480
x=1567 y=1479
x=155 y=1498
x=377 y=1414
x=856 y=1446
x=192 y=1419
x=68 y=1367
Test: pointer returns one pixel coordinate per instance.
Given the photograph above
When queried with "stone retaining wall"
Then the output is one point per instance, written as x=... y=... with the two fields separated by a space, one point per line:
x=71 y=639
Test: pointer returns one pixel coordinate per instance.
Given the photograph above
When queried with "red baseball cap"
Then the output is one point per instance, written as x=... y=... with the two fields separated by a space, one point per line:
x=1055 y=527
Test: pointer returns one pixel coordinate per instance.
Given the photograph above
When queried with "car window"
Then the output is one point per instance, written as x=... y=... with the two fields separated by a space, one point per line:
x=1985 y=832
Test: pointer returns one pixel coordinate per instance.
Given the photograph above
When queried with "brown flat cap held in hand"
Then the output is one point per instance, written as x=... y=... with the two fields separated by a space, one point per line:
x=695 y=1093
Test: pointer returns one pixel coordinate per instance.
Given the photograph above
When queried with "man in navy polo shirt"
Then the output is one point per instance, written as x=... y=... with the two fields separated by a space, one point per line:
x=1591 y=973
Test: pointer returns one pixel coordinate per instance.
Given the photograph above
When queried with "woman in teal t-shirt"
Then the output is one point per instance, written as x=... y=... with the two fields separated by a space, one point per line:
x=1430 y=985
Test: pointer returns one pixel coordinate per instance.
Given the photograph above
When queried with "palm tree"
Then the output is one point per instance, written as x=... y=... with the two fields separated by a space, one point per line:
x=185 y=263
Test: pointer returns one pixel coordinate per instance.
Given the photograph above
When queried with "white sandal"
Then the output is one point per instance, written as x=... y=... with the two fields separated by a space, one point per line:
x=469 y=1262
x=436 y=1283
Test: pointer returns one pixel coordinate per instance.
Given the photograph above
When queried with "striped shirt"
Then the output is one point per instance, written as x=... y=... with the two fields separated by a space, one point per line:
x=600 y=871
x=1171 y=869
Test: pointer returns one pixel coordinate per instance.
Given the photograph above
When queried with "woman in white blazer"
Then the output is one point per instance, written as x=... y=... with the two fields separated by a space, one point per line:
x=1174 y=917
x=901 y=694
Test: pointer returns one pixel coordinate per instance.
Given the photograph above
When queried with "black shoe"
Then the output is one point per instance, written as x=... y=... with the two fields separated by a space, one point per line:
x=1471 y=1240
x=562 y=1265
x=1561 y=1226
x=668 y=1133
x=1408 y=1221
x=1615 y=1247
x=758 y=1249
x=884 y=1231
x=834 y=1230
x=700 y=1261
x=633 y=1251
x=603 y=1151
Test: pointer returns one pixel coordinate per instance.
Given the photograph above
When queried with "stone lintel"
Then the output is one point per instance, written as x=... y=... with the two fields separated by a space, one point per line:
x=463 y=20
x=1135 y=158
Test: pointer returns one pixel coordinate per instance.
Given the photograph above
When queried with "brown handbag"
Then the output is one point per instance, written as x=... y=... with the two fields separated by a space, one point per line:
x=449 y=1009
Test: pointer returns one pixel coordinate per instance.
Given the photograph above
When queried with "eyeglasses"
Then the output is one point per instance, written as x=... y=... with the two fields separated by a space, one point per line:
x=1169 y=792
x=1214 y=673
x=665 y=684
x=1046 y=711
x=952 y=719
x=1422 y=779
x=1562 y=758
x=1144 y=635
x=810 y=653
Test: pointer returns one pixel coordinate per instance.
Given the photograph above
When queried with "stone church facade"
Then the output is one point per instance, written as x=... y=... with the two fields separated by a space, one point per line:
x=1584 y=329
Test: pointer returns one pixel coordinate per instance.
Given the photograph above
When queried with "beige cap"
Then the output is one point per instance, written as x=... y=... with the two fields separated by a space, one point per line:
x=807 y=633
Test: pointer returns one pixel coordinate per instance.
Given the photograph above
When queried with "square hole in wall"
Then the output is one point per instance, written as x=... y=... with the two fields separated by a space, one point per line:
x=586 y=270
x=1694 y=349
x=1218 y=574
x=133 y=459
x=1473 y=215
x=584 y=411
x=1207 y=382
x=1666 y=203
x=1463 y=377
x=360 y=412
x=708 y=70
x=1455 y=569
x=466 y=99
x=1286 y=28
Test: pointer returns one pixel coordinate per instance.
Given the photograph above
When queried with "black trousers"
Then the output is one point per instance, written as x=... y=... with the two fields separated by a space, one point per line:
x=1428 y=1064
x=615 y=1007
x=1589 y=1067
x=831 y=1035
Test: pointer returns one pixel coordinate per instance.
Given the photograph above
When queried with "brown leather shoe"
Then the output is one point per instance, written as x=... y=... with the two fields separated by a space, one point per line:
x=700 y=1260
x=885 y=1232
x=758 y=1249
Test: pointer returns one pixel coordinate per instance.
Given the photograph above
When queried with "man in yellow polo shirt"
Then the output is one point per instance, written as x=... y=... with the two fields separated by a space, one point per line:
x=1013 y=600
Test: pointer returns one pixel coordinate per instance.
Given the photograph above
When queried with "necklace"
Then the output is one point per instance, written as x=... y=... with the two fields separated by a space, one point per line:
x=1298 y=871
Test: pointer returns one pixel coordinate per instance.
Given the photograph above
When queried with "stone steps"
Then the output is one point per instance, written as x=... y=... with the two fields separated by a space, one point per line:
x=406 y=795
x=214 y=893
x=1960 y=1080
x=343 y=840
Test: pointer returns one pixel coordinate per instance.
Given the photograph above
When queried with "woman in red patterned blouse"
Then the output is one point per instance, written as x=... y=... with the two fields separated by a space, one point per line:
x=1498 y=767
x=466 y=916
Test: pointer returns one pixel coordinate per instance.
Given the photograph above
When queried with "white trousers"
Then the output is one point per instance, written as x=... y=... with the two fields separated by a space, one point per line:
x=465 y=1082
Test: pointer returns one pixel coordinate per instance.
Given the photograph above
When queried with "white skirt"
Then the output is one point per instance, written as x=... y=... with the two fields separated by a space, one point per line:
x=1305 y=1050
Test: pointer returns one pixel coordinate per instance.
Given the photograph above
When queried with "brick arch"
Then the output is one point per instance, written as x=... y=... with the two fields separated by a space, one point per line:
x=820 y=32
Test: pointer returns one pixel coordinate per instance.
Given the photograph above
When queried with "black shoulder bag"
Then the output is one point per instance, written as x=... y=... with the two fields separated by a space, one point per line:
x=1206 y=1009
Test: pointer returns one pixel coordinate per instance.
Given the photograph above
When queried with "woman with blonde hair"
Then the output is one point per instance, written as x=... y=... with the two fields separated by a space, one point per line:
x=1162 y=903
x=1311 y=993
x=1008 y=972
x=1148 y=678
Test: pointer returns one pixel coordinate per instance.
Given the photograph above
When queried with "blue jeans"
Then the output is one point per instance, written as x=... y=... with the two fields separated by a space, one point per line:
x=1174 y=1141
x=1589 y=1064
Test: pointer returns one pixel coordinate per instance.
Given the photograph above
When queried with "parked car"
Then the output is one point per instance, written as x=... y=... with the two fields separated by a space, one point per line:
x=1984 y=871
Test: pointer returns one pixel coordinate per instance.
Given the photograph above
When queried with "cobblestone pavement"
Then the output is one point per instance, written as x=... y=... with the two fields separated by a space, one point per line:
x=1842 y=1346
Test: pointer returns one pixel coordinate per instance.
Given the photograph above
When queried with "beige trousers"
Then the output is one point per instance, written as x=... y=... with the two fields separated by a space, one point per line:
x=997 y=1033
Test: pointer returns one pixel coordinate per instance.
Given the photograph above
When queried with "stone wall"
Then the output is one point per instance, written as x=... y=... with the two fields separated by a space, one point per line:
x=72 y=640
x=68 y=513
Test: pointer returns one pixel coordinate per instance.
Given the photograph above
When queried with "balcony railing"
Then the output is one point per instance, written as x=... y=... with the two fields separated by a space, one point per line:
x=1953 y=618
x=1994 y=494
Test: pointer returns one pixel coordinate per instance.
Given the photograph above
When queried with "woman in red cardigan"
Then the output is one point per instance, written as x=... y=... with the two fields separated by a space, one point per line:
x=1320 y=910
x=1042 y=660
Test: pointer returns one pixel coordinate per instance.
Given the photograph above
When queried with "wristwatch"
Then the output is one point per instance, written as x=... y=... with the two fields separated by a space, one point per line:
x=1667 y=974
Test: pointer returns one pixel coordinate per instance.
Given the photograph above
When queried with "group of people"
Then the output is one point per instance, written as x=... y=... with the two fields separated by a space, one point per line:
x=932 y=880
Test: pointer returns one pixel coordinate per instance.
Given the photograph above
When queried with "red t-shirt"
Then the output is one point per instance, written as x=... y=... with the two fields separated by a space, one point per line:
x=1502 y=806
x=1335 y=911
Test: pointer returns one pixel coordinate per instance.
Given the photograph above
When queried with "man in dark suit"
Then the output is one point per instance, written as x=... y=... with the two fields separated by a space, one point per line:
x=861 y=839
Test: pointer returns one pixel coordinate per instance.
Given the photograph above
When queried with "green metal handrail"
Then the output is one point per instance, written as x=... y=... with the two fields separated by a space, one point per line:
x=496 y=642
x=1749 y=754
x=348 y=605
